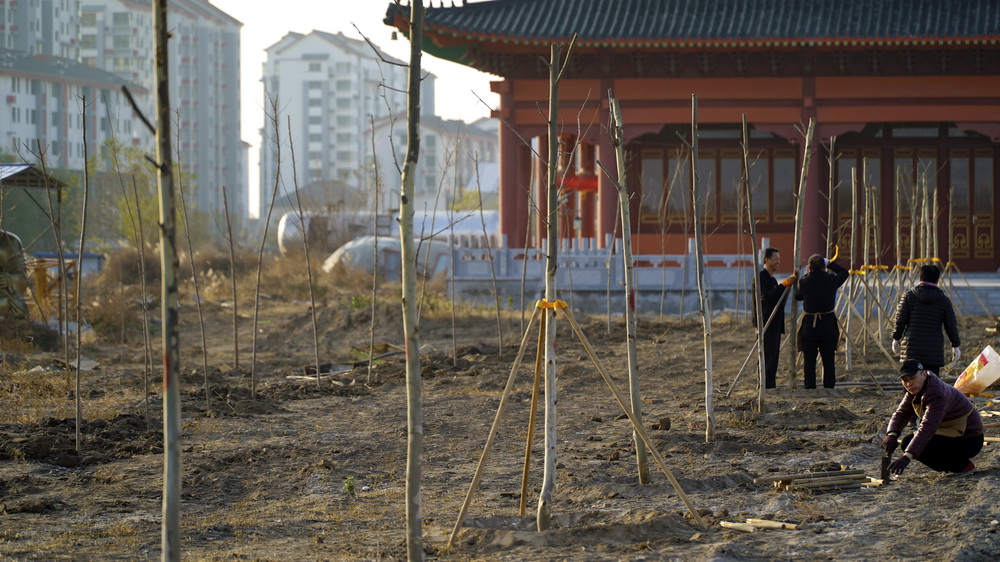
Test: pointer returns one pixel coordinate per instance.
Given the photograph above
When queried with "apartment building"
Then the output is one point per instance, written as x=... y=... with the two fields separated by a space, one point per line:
x=40 y=27
x=329 y=90
x=116 y=36
x=455 y=158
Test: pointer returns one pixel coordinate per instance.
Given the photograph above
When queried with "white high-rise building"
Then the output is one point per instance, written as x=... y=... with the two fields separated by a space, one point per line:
x=204 y=61
x=329 y=90
x=43 y=87
x=40 y=27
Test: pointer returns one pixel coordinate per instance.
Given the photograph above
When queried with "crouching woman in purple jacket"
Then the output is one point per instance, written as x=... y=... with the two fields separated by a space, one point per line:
x=950 y=431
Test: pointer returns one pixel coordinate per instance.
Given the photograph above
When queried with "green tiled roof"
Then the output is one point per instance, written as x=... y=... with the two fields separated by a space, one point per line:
x=715 y=23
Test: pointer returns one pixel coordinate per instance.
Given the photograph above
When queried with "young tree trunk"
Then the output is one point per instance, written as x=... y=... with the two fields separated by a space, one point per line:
x=703 y=297
x=305 y=249
x=800 y=204
x=171 y=540
x=197 y=288
x=79 y=272
x=758 y=304
x=263 y=240
x=631 y=323
x=411 y=329
x=543 y=517
x=232 y=281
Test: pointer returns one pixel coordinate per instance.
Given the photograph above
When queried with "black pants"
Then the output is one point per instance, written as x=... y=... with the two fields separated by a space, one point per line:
x=819 y=335
x=947 y=454
x=826 y=348
x=772 y=349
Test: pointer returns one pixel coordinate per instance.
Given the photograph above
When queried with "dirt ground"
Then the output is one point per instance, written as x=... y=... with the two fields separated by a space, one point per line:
x=307 y=470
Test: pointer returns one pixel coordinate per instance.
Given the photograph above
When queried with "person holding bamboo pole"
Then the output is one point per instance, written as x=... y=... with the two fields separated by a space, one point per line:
x=950 y=431
x=772 y=301
x=818 y=328
x=920 y=315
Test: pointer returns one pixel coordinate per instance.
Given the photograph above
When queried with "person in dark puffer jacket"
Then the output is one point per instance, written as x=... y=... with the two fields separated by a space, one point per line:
x=921 y=313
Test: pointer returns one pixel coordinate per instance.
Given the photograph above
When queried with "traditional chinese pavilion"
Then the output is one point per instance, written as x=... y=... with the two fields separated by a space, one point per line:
x=906 y=92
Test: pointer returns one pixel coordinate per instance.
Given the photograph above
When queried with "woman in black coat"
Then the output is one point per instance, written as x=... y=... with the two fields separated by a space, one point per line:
x=921 y=313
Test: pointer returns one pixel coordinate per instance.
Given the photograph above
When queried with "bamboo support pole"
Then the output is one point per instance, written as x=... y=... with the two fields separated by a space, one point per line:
x=825 y=480
x=745 y=527
x=494 y=429
x=866 y=249
x=636 y=423
x=533 y=414
x=768 y=524
x=817 y=474
x=832 y=485
x=756 y=345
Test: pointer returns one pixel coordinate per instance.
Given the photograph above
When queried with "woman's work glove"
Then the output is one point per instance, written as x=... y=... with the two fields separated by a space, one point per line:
x=955 y=353
x=895 y=346
x=899 y=465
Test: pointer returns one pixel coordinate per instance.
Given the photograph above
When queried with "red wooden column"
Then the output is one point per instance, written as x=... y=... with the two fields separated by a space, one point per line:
x=586 y=208
x=509 y=193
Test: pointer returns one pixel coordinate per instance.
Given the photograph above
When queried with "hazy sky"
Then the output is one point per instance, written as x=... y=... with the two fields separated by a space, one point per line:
x=265 y=22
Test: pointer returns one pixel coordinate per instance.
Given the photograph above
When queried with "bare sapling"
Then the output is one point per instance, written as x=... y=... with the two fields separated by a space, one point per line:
x=800 y=205
x=617 y=131
x=194 y=280
x=263 y=240
x=232 y=281
x=79 y=272
x=147 y=344
x=375 y=273
x=489 y=255
x=758 y=303
x=411 y=328
x=557 y=66
x=55 y=222
x=305 y=249
x=703 y=297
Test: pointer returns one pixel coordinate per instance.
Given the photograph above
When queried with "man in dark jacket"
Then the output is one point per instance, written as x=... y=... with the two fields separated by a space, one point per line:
x=818 y=328
x=920 y=314
x=950 y=431
x=772 y=299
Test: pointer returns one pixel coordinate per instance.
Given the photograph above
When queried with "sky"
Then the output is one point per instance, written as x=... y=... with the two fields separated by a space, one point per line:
x=265 y=22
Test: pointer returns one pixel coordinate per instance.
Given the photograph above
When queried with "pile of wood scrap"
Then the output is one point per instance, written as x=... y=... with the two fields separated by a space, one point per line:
x=821 y=481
